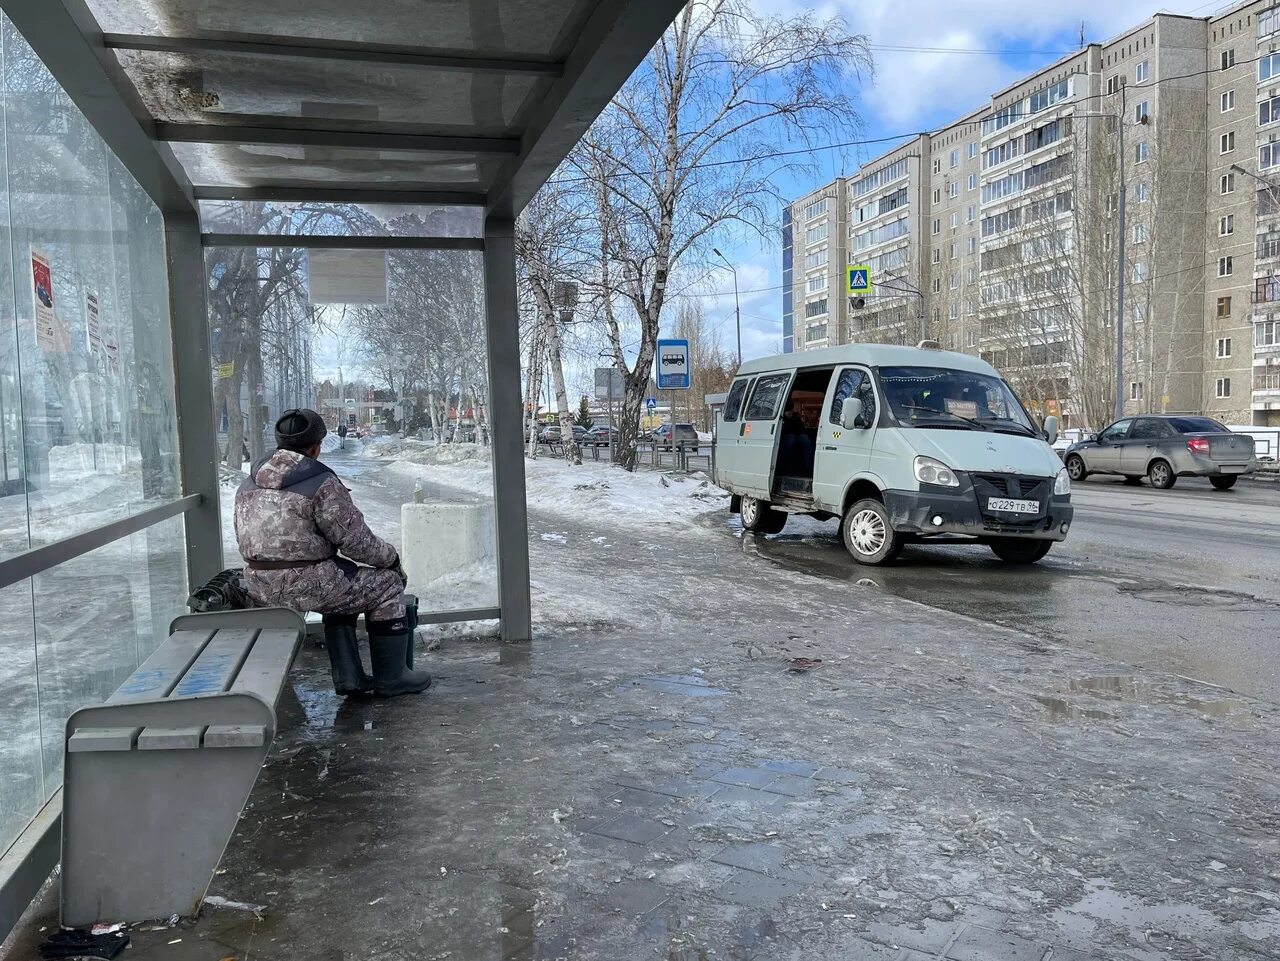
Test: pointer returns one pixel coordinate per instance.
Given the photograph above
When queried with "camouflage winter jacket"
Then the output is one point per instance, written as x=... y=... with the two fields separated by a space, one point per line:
x=293 y=508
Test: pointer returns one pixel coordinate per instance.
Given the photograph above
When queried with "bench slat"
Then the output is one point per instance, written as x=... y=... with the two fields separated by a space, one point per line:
x=264 y=671
x=217 y=664
x=161 y=671
x=170 y=738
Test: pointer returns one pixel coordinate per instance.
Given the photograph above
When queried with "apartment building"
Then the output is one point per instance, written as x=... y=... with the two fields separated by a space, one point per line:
x=1010 y=226
x=813 y=274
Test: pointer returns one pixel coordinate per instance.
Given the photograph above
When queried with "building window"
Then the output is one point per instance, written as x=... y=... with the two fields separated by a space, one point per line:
x=817 y=283
x=955 y=280
x=973 y=181
x=1268 y=156
x=1228 y=101
x=816 y=332
x=816 y=308
x=815 y=235
x=973 y=150
x=1140 y=152
x=970 y=213
x=955 y=157
x=973 y=245
x=1226 y=225
x=1224 y=306
x=1142 y=192
x=1140 y=112
x=1139 y=272
x=1113 y=84
x=1224 y=346
x=937 y=285
x=972 y=276
x=1139 y=314
x=1268 y=111
x=819 y=258
x=953 y=189
x=937 y=195
x=1268 y=66
x=1225 y=267
x=955 y=219
x=1227 y=184
x=1139 y=233
x=937 y=255
x=1135 y=390
x=1227 y=142
x=1142 y=72
x=1228 y=58
x=971 y=339
x=937 y=166
x=1224 y=387
x=937 y=226
x=953 y=311
x=815 y=209
x=1266 y=333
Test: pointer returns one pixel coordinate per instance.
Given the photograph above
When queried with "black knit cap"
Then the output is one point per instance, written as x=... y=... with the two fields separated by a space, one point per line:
x=300 y=430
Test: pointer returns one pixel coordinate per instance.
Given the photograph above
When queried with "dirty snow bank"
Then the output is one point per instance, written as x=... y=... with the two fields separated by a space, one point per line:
x=593 y=490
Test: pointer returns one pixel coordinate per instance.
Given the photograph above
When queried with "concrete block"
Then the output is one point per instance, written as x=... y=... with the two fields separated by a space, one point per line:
x=439 y=540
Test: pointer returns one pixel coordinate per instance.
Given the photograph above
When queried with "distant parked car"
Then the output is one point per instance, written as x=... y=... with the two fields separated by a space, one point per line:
x=602 y=435
x=1164 y=448
x=552 y=432
x=681 y=435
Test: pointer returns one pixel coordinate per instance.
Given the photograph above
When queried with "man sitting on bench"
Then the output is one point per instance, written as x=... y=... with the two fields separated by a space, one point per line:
x=293 y=518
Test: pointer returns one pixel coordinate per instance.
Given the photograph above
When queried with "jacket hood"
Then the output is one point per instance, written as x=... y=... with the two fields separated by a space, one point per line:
x=986 y=452
x=282 y=469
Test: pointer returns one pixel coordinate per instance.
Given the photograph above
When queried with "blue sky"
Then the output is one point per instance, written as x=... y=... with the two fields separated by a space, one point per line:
x=914 y=90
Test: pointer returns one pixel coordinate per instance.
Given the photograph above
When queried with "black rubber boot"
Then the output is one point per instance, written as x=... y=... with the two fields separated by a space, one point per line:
x=389 y=646
x=344 y=655
x=411 y=612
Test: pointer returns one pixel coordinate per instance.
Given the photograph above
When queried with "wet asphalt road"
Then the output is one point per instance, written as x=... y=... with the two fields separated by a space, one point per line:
x=1185 y=581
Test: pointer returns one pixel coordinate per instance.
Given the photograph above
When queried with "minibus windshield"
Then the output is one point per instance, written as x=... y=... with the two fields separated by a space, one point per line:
x=956 y=399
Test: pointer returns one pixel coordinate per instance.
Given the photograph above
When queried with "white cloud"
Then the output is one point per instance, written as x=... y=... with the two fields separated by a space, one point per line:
x=919 y=89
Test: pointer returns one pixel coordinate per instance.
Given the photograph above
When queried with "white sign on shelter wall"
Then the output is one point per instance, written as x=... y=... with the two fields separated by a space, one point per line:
x=347 y=276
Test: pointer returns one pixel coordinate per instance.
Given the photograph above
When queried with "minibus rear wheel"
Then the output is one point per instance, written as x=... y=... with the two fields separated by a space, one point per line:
x=869 y=534
x=760 y=517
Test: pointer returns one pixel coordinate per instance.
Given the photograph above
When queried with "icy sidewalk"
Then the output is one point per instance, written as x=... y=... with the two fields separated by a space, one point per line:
x=659 y=778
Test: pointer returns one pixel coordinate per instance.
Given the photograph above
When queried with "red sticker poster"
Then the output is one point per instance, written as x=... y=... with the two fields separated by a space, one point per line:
x=42 y=289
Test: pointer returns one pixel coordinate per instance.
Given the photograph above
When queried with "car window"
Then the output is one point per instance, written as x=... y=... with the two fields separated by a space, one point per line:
x=733 y=404
x=1148 y=428
x=767 y=397
x=1117 y=431
x=854 y=383
x=1198 y=425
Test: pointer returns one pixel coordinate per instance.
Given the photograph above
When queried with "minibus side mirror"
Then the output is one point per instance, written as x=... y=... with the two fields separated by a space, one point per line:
x=850 y=412
x=1051 y=428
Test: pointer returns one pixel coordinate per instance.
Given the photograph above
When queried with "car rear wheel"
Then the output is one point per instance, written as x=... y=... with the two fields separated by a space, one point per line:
x=869 y=534
x=1161 y=475
x=1076 y=469
x=1133 y=480
x=1223 y=483
x=1018 y=551
x=760 y=517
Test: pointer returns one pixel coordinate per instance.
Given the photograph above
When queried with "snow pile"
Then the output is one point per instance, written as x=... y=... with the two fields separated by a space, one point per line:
x=333 y=442
x=593 y=490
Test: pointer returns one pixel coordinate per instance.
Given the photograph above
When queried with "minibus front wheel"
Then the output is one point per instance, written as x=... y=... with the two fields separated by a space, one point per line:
x=760 y=517
x=869 y=534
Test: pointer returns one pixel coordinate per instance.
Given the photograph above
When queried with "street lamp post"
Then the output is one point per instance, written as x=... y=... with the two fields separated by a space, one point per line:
x=737 y=308
x=909 y=288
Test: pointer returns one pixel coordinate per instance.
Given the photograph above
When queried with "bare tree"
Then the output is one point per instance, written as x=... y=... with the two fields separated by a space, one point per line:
x=690 y=145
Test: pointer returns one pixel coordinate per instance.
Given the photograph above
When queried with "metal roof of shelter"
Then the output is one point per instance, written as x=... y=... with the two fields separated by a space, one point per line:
x=399 y=101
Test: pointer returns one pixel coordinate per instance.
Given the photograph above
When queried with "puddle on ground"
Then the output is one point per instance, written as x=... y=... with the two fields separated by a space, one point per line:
x=689 y=685
x=1063 y=710
x=1131 y=690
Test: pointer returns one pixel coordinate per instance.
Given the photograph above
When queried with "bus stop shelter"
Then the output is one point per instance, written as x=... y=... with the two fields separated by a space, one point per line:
x=445 y=103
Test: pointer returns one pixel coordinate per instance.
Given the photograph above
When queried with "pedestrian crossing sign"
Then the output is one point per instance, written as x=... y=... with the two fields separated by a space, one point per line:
x=859 y=280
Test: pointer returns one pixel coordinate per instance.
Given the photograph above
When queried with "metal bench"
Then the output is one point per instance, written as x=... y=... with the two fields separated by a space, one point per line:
x=156 y=777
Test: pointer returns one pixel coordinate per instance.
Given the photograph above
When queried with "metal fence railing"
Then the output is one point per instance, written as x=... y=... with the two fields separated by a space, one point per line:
x=650 y=456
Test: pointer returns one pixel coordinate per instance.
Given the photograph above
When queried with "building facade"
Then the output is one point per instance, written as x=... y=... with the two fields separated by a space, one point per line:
x=1000 y=233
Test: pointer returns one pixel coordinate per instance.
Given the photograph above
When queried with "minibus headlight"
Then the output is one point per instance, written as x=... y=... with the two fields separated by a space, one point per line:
x=930 y=471
x=1063 y=484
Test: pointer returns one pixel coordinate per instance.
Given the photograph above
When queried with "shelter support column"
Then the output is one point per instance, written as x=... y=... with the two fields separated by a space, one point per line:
x=511 y=521
x=193 y=379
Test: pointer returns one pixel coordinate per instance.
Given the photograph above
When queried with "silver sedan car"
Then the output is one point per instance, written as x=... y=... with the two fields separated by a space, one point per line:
x=1162 y=449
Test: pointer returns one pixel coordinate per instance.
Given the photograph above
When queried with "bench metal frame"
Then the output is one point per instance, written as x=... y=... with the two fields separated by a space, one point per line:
x=156 y=777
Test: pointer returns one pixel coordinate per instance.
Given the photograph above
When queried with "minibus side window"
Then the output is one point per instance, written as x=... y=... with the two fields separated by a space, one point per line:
x=854 y=383
x=766 y=397
x=733 y=403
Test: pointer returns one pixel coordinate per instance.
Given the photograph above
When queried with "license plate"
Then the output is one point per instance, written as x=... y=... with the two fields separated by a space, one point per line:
x=1011 y=506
